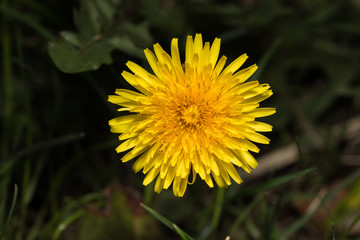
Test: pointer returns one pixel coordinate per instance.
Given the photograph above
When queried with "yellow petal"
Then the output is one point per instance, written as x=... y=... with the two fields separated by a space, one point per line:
x=214 y=52
x=129 y=104
x=117 y=99
x=133 y=154
x=164 y=169
x=224 y=174
x=255 y=91
x=189 y=51
x=248 y=158
x=248 y=146
x=154 y=149
x=238 y=78
x=159 y=52
x=140 y=72
x=140 y=163
x=214 y=166
x=176 y=186
x=260 y=126
x=232 y=172
x=141 y=125
x=147 y=138
x=257 y=137
x=169 y=177
x=150 y=176
x=153 y=61
x=245 y=165
x=261 y=112
x=199 y=168
x=151 y=162
x=198 y=44
x=249 y=106
x=131 y=95
x=159 y=185
x=195 y=62
x=259 y=98
x=209 y=181
x=234 y=130
x=128 y=135
x=124 y=123
x=233 y=143
x=220 y=151
x=235 y=65
x=246 y=86
x=204 y=58
x=194 y=177
x=244 y=74
x=220 y=65
x=175 y=52
x=183 y=185
x=219 y=181
x=139 y=85
x=139 y=149
x=180 y=168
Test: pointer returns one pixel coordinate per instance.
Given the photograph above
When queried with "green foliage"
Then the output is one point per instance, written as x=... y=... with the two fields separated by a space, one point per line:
x=167 y=223
x=3 y=229
x=99 y=33
x=119 y=216
x=272 y=183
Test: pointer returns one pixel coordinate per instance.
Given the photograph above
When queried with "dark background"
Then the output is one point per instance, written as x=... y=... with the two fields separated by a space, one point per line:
x=60 y=177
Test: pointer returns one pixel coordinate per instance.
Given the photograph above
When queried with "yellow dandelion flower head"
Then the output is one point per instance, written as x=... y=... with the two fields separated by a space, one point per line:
x=197 y=117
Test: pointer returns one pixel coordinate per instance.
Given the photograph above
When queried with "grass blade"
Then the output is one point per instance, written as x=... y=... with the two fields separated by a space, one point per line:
x=62 y=226
x=167 y=223
x=242 y=216
x=319 y=16
x=10 y=160
x=2 y=232
x=348 y=230
x=13 y=14
x=299 y=223
x=6 y=82
x=274 y=182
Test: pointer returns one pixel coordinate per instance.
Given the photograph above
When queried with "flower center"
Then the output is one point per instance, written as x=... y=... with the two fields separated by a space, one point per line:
x=191 y=115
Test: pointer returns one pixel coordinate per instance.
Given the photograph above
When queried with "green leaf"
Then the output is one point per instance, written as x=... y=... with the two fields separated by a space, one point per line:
x=138 y=33
x=99 y=33
x=127 y=45
x=93 y=17
x=71 y=58
x=71 y=38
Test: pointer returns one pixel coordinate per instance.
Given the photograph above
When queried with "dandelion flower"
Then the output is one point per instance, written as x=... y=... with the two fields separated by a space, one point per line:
x=195 y=118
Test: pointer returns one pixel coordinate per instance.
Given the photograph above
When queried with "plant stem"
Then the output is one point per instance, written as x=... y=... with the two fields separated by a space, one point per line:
x=149 y=193
x=220 y=194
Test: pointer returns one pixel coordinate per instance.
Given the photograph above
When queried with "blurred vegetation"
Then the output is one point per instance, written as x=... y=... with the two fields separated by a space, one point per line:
x=60 y=177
